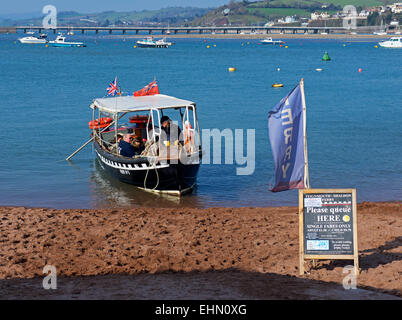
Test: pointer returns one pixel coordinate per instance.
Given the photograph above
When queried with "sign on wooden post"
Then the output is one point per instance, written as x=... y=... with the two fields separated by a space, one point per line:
x=328 y=225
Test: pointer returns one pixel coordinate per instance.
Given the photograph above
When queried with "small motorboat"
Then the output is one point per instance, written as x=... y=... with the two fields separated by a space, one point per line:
x=61 y=42
x=34 y=40
x=165 y=165
x=150 y=42
x=394 y=42
x=277 y=85
x=271 y=41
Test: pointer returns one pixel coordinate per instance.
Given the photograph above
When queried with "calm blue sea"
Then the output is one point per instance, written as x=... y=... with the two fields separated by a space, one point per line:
x=353 y=118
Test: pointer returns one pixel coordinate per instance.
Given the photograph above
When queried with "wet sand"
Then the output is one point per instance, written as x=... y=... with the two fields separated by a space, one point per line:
x=215 y=253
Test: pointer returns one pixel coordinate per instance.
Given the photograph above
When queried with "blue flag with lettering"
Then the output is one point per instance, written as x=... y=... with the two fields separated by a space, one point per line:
x=285 y=126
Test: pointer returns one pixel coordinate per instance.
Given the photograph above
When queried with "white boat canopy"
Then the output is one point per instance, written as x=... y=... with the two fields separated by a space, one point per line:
x=130 y=103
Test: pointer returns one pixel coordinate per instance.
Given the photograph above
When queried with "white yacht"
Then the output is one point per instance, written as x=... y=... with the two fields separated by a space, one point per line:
x=149 y=42
x=271 y=41
x=34 y=40
x=394 y=42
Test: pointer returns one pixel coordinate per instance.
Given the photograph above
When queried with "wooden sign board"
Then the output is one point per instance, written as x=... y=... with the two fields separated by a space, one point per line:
x=328 y=225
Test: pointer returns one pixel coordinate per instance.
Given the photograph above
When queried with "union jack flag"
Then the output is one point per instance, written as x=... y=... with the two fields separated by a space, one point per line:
x=112 y=89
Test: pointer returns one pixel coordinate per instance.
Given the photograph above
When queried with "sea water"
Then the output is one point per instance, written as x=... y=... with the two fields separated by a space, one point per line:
x=354 y=128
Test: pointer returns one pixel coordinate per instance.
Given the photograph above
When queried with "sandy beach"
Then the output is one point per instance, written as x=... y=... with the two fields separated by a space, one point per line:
x=215 y=253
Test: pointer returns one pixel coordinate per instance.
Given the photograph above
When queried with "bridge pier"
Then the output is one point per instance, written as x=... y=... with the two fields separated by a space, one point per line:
x=188 y=30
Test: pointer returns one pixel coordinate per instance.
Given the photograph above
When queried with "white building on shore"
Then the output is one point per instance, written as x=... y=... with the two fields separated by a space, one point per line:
x=319 y=16
x=396 y=7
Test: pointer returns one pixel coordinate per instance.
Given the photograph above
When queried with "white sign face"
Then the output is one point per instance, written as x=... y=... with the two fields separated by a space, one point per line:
x=312 y=202
x=317 y=245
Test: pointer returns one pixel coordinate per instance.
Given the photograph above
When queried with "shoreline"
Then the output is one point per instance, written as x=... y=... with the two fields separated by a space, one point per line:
x=258 y=243
x=261 y=36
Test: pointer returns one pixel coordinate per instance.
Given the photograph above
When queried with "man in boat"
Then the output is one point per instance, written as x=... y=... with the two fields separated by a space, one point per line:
x=171 y=129
x=115 y=143
x=125 y=147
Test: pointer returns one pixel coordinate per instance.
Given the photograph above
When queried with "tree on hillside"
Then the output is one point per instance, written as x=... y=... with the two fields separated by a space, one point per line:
x=372 y=18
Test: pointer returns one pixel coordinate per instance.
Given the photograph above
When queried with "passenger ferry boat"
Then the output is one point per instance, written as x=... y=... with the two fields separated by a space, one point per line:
x=149 y=42
x=394 y=42
x=164 y=166
x=61 y=42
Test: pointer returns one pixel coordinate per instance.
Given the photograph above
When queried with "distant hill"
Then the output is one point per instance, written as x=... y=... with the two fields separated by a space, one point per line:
x=259 y=12
x=234 y=13
x=171 y=15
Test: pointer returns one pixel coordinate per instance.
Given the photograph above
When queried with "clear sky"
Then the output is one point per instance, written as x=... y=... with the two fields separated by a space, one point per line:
x=90 y=6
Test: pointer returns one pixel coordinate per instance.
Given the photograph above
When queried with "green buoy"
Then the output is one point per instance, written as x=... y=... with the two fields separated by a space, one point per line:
x=326 y=57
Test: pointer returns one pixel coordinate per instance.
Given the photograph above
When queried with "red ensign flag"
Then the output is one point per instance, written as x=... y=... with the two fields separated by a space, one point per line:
x=148 y=90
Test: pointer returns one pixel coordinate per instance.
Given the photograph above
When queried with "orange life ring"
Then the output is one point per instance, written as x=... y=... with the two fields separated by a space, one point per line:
x=99 y=123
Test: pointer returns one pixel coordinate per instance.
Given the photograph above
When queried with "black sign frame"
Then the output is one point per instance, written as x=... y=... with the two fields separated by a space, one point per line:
x=328 y=225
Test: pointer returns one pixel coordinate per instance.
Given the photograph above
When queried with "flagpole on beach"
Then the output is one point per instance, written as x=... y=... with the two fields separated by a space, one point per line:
x=306 y=172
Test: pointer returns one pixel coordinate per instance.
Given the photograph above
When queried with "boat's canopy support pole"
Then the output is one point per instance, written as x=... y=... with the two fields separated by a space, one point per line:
x=93 y=137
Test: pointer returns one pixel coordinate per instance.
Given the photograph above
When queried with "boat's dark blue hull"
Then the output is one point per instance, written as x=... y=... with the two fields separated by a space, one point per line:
x=175 y=178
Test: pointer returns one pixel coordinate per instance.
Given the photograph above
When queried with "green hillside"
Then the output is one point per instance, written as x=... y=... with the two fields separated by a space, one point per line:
x=259 y=12
x=318 y=4
x=172 y=15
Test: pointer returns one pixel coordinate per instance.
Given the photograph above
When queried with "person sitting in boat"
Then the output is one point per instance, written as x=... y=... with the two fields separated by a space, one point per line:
x=115 y=143
x=125 y=147
x=138 y=146
x=171 y=129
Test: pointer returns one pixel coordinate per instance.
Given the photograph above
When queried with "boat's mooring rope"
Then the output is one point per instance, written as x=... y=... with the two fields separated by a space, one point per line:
x=157 y=176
